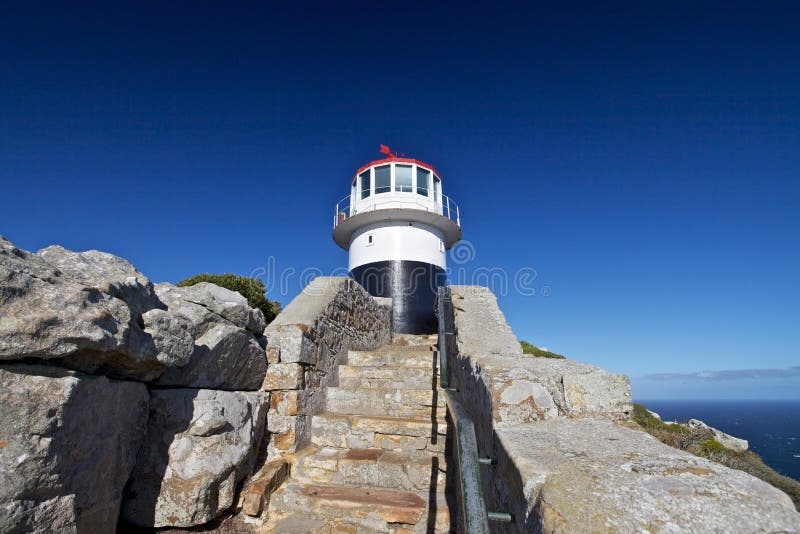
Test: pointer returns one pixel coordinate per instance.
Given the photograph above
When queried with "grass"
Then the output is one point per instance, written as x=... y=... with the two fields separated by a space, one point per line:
x=701 y=442
x=533 y=350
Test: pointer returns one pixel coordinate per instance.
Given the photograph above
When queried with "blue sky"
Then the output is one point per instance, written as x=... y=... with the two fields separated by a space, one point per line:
x=642 y=158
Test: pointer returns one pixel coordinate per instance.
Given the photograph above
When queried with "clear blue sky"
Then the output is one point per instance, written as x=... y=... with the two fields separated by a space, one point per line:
x=643 y=158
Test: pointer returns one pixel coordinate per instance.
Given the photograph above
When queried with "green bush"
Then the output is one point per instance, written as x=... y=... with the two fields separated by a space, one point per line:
x=533 y=350
x=250 y=288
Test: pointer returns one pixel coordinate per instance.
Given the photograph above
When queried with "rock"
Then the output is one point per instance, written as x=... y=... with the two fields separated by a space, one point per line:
x=225 y=354
x=199 y=445
x=283 y=376
x=86 y=309
x=68 y=442
x=477 y=308
x=591 y=475
x=225 y=357
x=262 y=485
x=493 y=375
x=731 y=442
x=216 y=300
x=98 y=314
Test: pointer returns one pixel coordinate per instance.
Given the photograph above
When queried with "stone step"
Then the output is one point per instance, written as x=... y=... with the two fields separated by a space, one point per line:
x=368 y=508
x=417 y=403
x=378 y=431
x=386 y=377
x=410 y=470
x=395 y=356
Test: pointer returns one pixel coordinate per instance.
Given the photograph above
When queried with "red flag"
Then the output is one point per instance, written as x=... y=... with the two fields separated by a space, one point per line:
x=385 y=150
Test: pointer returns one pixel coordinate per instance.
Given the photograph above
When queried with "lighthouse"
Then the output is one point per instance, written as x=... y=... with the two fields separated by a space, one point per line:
x=396 y=225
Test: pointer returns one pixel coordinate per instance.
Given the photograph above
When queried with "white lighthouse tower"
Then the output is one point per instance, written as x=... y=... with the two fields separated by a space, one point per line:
x=396 y=225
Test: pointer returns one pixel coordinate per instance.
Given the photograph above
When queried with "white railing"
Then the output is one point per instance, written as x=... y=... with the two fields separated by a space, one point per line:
x=444 y=206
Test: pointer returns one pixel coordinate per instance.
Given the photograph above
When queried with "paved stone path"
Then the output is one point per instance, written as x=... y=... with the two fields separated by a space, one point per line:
x=377 y=458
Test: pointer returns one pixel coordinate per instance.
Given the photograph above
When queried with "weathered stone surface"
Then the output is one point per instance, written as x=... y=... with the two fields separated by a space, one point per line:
x=99 y=315
x=283 y=376
x=287 y=402
x=399 y=403
x=213 y=299
x=85 y=308
x=262 y=485
x=590 y=475
x=199 y=445
x=68 y=442
x=493 y=375
x=478 y=314
x=224 y=357
x=226 y=354
x=727 y=440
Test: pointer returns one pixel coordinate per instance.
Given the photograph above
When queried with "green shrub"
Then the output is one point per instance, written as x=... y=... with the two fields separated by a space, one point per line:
x=250 y=288
x=533 y=350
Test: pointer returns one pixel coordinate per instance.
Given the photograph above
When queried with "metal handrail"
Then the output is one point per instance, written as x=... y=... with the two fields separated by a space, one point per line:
x=445 y=206
x=474 y=516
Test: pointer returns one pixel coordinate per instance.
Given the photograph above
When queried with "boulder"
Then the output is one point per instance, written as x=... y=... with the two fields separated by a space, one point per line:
x=86 y=309
x=68 y=442
x=226 y=353
x=591 y=475
x=202 y=301
x=199 y=445
x=731 y=442
x=96 y=313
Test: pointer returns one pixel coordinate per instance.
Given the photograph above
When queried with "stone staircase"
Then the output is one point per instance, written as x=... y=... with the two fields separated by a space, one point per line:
x=377 y=459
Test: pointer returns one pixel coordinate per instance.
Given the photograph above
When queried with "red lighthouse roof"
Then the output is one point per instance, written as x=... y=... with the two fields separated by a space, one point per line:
x=391 y=158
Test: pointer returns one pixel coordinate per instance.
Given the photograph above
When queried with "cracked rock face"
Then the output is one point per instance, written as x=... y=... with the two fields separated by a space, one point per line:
x=86 y=309
x=68 y=442
x=96 y=313
x=591 y=475
x=199 y=445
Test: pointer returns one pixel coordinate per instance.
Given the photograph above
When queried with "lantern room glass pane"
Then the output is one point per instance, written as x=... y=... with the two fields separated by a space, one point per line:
x=437 y=188
x=402 y=178
x=383 y=179
x=423 y=181
x=364 y=184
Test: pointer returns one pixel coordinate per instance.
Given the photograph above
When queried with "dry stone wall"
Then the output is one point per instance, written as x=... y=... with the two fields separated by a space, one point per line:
x=306 y=343
x=568 y=458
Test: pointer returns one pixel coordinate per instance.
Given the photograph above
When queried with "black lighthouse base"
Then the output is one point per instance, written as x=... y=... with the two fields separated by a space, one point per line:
x=412 y=287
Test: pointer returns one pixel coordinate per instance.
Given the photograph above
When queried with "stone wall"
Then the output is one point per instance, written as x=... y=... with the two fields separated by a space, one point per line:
x=568 y=458
x=307 y=341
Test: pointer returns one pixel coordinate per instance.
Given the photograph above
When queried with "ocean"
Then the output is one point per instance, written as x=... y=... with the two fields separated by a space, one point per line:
x=771 y=427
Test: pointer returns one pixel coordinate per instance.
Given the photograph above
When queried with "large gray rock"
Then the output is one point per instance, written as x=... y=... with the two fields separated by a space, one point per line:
x=202 y=301
x=494 y=376
x=98 y=314
x=226 y=352
x=199 y=445
x=68 y=442
x=732 y=442
x=87 y=309
x=591 y=475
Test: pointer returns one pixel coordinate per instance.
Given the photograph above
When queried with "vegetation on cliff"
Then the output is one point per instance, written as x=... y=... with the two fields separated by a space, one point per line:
x=700 y=441
x=250 y=288
x=533 y=350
